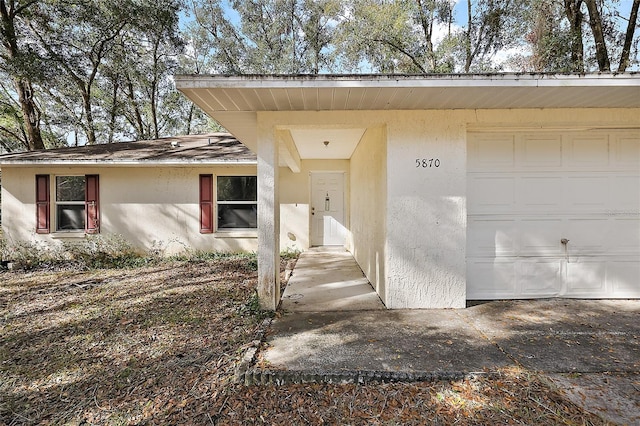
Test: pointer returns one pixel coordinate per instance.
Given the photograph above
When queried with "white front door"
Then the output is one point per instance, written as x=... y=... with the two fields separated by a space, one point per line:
x=327 y=209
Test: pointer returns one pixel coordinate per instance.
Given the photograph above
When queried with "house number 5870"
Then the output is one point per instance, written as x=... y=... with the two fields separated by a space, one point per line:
x=427 y=162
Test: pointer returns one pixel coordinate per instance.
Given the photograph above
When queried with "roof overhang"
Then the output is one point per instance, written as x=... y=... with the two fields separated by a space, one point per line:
x=234 y=101
x=213 y=149
x=108 y=163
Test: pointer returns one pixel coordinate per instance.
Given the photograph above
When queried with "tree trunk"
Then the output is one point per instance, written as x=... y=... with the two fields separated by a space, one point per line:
x=154 y=90
x=189 y=118
x=30 y=111
x=30 y=114
x=136 y=110
x=427 y=31
x=575 y=18
x=114 y=110
x=595 y=21
x=89 y=130
x=467 y=64
x=628 y=40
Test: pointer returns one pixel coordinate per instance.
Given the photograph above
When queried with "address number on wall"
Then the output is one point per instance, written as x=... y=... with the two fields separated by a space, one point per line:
x=427 y=163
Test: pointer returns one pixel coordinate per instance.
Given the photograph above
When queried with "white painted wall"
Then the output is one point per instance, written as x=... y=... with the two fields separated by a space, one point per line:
x=426 y=208
x=143 y=205
x=367 y=235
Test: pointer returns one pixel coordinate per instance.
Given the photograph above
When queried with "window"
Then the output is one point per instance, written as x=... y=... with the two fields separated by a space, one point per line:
x=70 y=203
x=237 y=204
x=75 y=204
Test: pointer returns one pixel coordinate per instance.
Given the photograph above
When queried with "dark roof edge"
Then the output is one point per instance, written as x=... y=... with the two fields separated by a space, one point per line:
x=433 y=76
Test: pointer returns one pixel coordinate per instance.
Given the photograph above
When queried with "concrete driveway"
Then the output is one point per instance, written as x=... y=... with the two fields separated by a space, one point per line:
x=590 y=349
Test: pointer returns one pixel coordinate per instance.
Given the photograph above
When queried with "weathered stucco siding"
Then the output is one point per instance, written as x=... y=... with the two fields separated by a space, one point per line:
x=294 y=201
x=426 y=210
x=367 y=236
x=146 y=205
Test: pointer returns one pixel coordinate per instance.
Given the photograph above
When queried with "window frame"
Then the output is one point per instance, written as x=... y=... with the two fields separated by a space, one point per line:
x=56 y=203
x=218 y=203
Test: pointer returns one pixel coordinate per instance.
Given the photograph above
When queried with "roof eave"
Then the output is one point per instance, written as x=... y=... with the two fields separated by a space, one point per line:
x=255 y=81
x=126 y=163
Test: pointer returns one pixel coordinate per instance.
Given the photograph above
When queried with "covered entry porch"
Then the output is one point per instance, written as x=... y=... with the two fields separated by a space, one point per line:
x=330 y=192
x=404 y=142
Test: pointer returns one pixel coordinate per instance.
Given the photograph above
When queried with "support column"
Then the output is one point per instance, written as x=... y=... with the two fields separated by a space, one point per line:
x=268 y=221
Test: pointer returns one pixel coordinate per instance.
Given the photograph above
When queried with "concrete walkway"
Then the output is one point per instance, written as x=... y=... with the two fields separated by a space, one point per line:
x=590 y=349
x=333 y=328
x=328 y=279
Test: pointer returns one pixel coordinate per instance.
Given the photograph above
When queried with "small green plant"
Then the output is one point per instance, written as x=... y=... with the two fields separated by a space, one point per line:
x=253 y=309
x=290 y=253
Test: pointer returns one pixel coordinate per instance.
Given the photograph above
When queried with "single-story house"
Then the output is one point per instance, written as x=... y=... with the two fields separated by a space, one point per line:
x=196 y=192
x=444 y=187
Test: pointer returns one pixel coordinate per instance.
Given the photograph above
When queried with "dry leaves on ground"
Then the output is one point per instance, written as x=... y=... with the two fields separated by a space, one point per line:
x=158 y=345
x=121 y=346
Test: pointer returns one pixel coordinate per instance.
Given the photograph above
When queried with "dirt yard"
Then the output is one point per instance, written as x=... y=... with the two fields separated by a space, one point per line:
x=158 y=345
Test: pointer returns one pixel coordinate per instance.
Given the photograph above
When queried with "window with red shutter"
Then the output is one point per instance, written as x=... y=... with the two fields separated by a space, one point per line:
x=92 y=204
x=42 y=204
x=206 y=204
x=237 y=202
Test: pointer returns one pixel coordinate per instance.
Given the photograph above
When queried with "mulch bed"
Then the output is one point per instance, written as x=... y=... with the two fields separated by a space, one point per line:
x=159 y=345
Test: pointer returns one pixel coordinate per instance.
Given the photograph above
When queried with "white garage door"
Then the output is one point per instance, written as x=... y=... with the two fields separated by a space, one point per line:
x=529 y=192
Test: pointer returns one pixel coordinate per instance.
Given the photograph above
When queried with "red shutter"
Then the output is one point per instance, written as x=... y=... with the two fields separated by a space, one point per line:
x=92 y=204
x=206 y=204
x=42 y=204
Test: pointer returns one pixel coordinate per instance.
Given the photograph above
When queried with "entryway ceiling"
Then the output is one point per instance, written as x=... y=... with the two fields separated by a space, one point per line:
x=312 y=143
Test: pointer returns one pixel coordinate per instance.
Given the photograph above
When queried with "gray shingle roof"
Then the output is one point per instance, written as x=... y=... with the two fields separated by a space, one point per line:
x=211 y=148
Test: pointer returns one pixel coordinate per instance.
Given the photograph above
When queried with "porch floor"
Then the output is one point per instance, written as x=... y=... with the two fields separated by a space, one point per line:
x=328 y=279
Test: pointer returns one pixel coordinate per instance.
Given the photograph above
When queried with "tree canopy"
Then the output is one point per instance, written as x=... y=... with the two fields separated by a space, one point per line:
x=96 y=71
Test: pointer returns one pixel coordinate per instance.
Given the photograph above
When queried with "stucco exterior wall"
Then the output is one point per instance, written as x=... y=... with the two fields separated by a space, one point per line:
x=424 y=208
x=367 y=236
x=143 y=204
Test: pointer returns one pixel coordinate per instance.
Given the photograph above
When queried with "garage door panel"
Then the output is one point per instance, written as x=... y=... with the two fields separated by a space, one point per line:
x=539 y=278
x=492 y=237
x=540 y=193
x=586 y=192
x=587 y=152
x=493 y=152
x=625 y=194
x=588 y=236
x=491 y=279
x=625 y=235
x=624 y=277
x=541 y=151
x=627 y=150
x=586 y=278
x=493 y=194
x=540 y=237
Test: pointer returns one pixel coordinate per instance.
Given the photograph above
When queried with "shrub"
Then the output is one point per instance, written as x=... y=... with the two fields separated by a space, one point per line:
x=110 y=251
x=104 y=251
x=28 y=254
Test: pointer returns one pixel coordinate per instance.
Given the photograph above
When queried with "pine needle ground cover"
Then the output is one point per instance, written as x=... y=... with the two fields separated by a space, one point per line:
x=159 y=344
